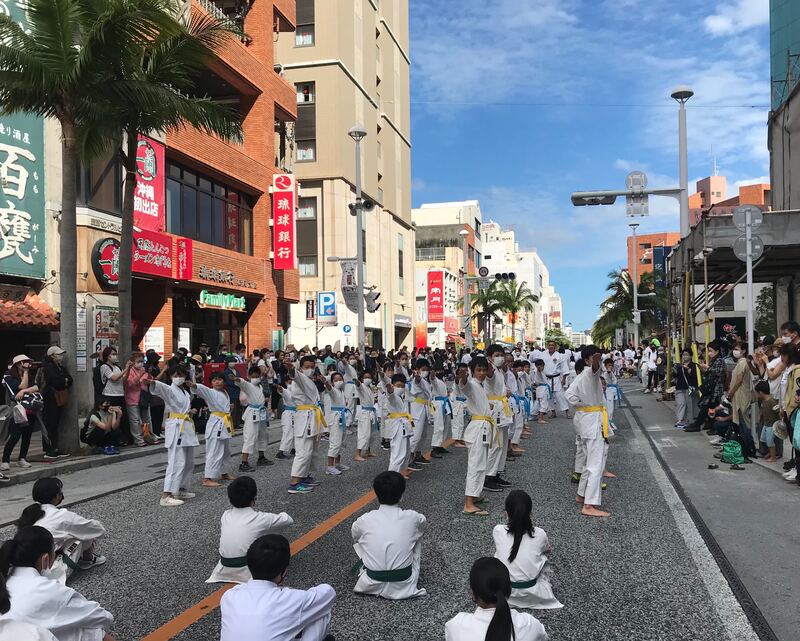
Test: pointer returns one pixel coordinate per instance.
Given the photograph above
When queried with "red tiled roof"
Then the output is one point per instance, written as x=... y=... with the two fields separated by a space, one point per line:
x=31 y=312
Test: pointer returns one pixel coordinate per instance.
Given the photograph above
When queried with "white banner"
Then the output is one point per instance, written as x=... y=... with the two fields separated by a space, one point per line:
x=349 y=288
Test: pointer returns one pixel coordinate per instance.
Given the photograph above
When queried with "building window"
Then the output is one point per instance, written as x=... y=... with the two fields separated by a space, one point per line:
x=304 y=32
x=306 y=124
x=99 y=185
x=306 y=150
x=400 y=264
x=307 y=265
x=305 y=93
x=200 y=208
x=380 y=195
x=307 y=208
x=645 y=246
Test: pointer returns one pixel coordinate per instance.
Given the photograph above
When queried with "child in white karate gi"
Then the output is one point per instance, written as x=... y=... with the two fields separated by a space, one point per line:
x=219 y=430
x=386 y=379
x=611 y=388
x=502 y=412
x=264 y=609
x=286 y=448
x=442 y=413
x=337 y=419
x=422 y=412
x=239 y=527
x=399 y=425
x=543 y=390
x=525 y=551
x=389 y=543
x=366 y=417
x=256 y=420
x=180 y=438
x=459 y=405
x=307 y=423
x=75 y=536
x=520 y=402
x=350 y=375
x=490 y=587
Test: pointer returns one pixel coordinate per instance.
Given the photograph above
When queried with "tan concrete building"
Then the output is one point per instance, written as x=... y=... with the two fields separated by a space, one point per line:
x=349 y=62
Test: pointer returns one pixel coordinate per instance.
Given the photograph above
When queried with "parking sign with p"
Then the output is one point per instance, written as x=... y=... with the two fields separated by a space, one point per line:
x=326 y=308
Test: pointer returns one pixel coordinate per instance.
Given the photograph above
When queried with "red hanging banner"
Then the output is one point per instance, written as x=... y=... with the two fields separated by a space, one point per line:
x=184 y=259
x=283 y=222
x=435 y=297
x=152 y=253
x=149 y=197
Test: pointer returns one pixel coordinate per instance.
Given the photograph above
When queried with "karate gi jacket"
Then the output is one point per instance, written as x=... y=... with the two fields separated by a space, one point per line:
x=21 y=631
x=472 y=626
x=389 y=538
x=587 y=391
x=72 y=534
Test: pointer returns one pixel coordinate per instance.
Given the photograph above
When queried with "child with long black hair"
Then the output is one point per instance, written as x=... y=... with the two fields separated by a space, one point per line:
x=493 y=619
x=525 y=551
x=41 y=601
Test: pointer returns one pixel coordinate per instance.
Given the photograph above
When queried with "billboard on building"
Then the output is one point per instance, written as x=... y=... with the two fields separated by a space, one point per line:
x=149 y=197
x=435 y=297
x=284 y=245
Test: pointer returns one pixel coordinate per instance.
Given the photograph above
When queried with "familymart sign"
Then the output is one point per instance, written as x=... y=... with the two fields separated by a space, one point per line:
x=212 y=300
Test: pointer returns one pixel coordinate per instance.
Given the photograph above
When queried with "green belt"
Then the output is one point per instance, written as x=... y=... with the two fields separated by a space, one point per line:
x=390 y=576
x=522 y=585
x=68 y=561
x=234 y=562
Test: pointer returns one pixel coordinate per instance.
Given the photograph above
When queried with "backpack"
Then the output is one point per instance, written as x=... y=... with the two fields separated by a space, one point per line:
x=732 y=453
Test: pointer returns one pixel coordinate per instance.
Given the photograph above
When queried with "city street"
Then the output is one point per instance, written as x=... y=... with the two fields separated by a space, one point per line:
x=645 y=573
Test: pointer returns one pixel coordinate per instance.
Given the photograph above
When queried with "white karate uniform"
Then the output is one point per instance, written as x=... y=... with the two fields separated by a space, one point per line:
x=398 y=431
x=517 y=404
x=256 y=418
x=338 y=428
x=442 y=412
x=610 y=393
x=586 y=391
x=421 y=410
x=382 y=405
x=287 y=419
x=366 y=416
x=180 y=438
x=306 y=424
x=503 y=414
x=68 y=615
x=526 y=390
x=458 y=423
x=555 y=368
x=263 y=611
x=73 y=535
x=543 y=391
x=350 y=375
x=389 y=538
x=472 y=626
x=218 y=432
x=531 y=562
x=239 y=527
x=477 y=435
x=21 y=631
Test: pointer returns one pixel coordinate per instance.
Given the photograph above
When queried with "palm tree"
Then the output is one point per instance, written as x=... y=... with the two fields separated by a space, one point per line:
x=485 y=307
x=56 y=68
x=617 y=308
x=514 y=298
x=151 y=94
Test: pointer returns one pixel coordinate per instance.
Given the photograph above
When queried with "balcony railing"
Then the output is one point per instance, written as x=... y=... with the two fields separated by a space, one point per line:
x=430 y=253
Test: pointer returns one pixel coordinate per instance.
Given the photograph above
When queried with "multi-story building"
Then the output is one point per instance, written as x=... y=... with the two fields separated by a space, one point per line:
x=437 y=321
x=349 y=64
x=644 y=254
x=711 y=198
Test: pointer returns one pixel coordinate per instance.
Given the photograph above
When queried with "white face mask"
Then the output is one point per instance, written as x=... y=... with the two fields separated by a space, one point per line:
x=786 y=339
x=737 y=353
x=498 y=361
x=367 y=381
x=255 y=380
x=178 y=380
x=308 y=372
x=400 y=391
x=353 y=362
x=424 y=373
x=339 y=384
x=138 y=365
x=113 y=358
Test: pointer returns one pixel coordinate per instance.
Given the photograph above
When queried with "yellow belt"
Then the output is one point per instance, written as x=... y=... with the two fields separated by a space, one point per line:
x=183 y=418
x=422 y=401
x=317 y=410
x=226 y=420
x=493 y=423
x=504 y=401
x=597 y=408
x=404 y=415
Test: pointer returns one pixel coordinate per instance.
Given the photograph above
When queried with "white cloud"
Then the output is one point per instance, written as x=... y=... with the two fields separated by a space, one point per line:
x=761 y=180
x=735 y=17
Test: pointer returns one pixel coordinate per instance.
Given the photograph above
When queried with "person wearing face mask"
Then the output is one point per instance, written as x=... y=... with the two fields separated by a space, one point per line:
x=286 y=450
x=350 y=376
x=741 y=395
x=256 y=420
x=337 y=419
x=18 y=382
x=136 y=380
x=686 y=384
x=38 y=600
x=399 y=425
x=229 y=374
x=422 y=410
x=713 y=386
x=219 y=430
x=308 y=422
x=556 y=370
x=54 y=382
x=113 y=379
x=101 y=428
x=366 y=417
x=790 y=333
x=402 y=365
x=383 y=379
x=180 y=438
x=442 y=413
x=75 y=536
x=459 y=404
x=503 y=414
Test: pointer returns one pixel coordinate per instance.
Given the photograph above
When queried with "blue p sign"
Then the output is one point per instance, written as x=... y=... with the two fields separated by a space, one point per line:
x=326 y=307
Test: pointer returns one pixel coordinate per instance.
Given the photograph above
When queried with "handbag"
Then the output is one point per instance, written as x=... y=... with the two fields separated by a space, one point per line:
x=32 y=401
x=62 y=396
x=20 y=415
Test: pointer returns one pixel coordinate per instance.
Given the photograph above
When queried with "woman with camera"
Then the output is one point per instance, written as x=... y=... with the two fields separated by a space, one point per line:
x=22 y=395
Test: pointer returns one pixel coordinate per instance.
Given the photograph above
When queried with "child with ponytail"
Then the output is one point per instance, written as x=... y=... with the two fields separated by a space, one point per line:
x=525 y=551
x=493 y=619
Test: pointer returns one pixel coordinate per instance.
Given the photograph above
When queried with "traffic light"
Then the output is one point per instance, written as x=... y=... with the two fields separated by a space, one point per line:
x=371 y=300
x=505 y=276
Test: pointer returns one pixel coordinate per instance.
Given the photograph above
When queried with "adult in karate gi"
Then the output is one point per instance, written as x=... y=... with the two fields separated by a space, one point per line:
x=308 y=422
x=366 y=417
x=442 y=413
x=19 y=630
x=493 y=619
x=255 y=437
x=459 y=405
x=591 y=427
x=503 y=414
x=422 y=409
x=389 y=543
x=41 y=601
x=337 y=416
x=543 y=391
x=556 y=370
x=399 y=425
x=219 y=430
x=239 y=527
x=75 y=536
x=525 y=551
x=180 y=438
x=286 y=447
x=262 y=609
x=382 y=382
x=479 y=433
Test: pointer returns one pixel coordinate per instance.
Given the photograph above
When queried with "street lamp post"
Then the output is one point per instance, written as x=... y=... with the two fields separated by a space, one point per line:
x=358 y=133
x=681 y=95
x=635 y=285
x=467 y=311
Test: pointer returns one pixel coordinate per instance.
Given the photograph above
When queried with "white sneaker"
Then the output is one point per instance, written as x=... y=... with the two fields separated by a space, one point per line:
x=23 y=463
x=791 y=475
x=170 y=501
x=716 y=440
x=332 y=471
x=4 y=467
x=87 y=564
x=646 y=391
x=184 y=495
x=342 y=467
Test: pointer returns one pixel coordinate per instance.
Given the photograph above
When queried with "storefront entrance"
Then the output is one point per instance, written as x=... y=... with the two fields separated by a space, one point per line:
x=193 y=324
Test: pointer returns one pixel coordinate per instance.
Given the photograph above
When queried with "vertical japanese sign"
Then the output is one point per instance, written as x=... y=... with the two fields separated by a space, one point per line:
x=22 y=216
x=349 y=288
x=283 y=223
x=148 y=199
x=184 y=251
x=660 y=278
x=435 y=297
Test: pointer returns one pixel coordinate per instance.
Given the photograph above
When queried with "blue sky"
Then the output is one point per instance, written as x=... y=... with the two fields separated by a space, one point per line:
x=520 y=102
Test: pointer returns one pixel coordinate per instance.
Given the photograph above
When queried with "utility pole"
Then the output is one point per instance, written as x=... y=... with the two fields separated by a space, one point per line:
x=358 y=133
x=635 y=285
x=467 y=302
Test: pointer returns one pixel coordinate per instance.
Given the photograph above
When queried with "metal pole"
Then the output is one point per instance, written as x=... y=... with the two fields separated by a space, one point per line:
x=750 y=338
x=362 y=334
x=635 y=284
x=467 y=301
x=683 y=170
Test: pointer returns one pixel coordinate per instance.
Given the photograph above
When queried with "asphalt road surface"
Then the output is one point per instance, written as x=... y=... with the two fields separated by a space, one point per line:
x=643 y=574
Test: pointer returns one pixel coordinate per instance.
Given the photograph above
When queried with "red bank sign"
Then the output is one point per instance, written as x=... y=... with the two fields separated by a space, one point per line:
x=283 y=223
x=435 y=297
x=148 y=199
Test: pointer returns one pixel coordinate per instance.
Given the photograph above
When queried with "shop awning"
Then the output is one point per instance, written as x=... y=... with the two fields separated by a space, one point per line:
x=21 y=308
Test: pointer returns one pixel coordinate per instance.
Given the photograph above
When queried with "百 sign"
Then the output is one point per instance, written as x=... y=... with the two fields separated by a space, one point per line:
x=283 y=223
x=435 y=297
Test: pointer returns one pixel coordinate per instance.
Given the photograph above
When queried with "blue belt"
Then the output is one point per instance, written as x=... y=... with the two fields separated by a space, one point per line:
x=343 y=413
x=549 y=389
x=289 y=408
x=463 y=399
x=619 y=392
x=445 y=404
x=370 y=408
x=525 y=402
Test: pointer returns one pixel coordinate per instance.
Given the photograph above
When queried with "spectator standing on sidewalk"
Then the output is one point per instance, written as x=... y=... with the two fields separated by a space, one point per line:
x=156 y=406
x=17 y=383
x=54 y=382
x=791 y=400
x=135 y=382
x=713 y=385
x=740 y=392
x=685 y=390
x=113 y=379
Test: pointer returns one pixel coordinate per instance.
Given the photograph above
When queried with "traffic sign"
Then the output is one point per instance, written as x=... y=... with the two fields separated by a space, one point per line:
x=347 y=329
x=326 y=308
x=483 y=272
x=740 y=217
x=740 y=247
